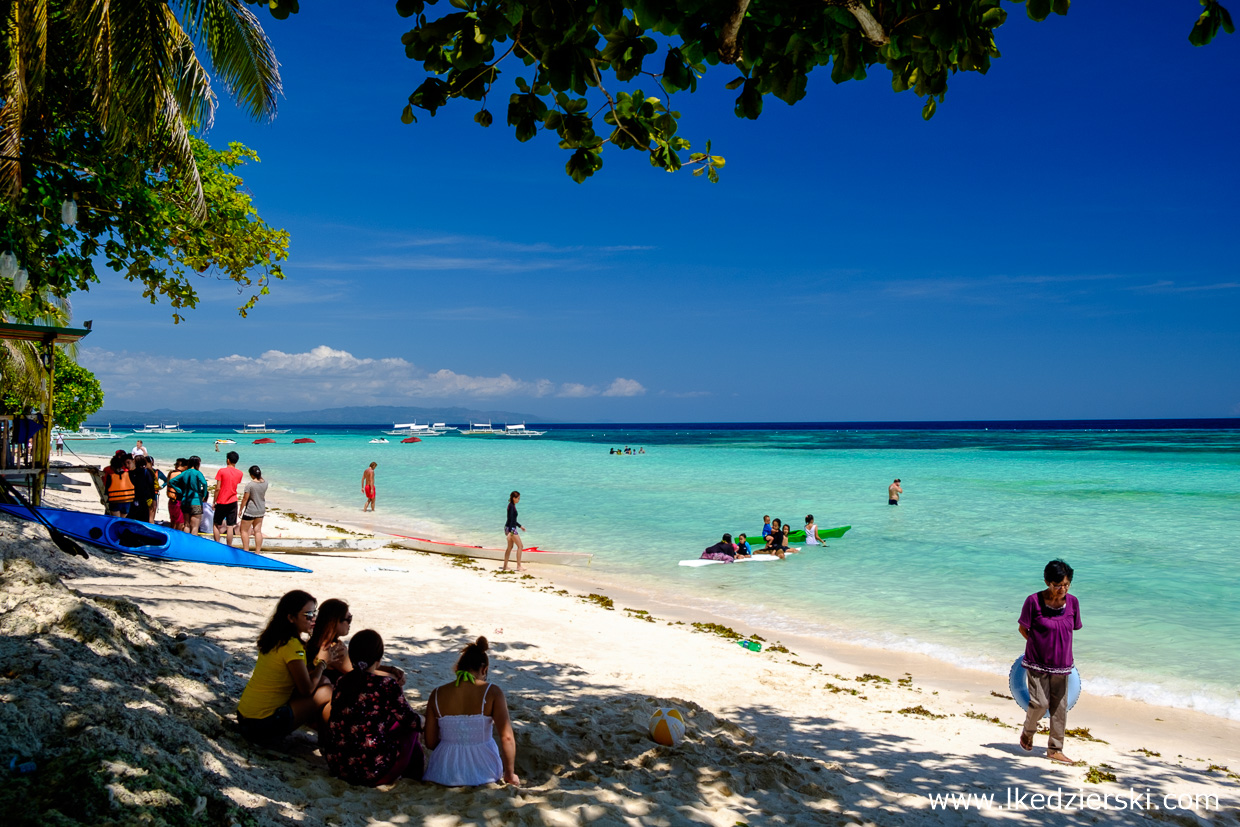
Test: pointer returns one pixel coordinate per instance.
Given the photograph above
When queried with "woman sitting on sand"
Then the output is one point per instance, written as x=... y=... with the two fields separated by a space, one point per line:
x=459 y=720
x=284 y=693
x=330 y=627
x=373 y=733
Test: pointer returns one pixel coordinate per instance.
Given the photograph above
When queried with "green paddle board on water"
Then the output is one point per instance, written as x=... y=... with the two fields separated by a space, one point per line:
x=798 y=536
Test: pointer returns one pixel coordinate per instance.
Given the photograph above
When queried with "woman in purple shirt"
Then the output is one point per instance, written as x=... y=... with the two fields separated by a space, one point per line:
x=1047 y=621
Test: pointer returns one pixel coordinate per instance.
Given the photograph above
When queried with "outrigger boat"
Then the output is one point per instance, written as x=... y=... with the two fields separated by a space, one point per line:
x=161 y=430
x=413 y=429
x=518 y=430
x=260 y=428
x=532 y=554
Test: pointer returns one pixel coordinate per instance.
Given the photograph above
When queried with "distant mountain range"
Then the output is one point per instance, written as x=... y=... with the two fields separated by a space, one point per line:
x=374 y=415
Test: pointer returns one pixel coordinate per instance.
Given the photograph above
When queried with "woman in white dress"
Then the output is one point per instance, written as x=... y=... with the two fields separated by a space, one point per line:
x=460 y=720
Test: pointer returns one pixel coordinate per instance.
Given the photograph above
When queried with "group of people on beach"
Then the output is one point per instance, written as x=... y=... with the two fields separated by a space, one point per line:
x=307 y=675
x=133 y=485
x=775 y=541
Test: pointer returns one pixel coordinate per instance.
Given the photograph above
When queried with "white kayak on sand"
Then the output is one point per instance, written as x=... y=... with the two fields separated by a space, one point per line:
x=756 y=558
x=323 y=543
x=532 y=554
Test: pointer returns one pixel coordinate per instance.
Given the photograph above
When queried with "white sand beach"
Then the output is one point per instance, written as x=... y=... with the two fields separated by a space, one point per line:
x=119 y=676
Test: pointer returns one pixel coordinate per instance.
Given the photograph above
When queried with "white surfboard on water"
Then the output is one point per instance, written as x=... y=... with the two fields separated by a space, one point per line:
x=757 y=558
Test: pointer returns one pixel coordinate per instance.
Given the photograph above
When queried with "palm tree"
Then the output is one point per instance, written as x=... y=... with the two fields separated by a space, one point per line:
x=134 y=67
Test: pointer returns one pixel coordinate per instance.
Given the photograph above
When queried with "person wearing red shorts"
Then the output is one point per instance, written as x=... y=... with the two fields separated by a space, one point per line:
x=226 y=479
x=368 y=486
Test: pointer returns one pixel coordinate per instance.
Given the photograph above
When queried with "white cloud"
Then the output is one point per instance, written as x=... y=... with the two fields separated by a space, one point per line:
x=320 y=377
x=624 y=387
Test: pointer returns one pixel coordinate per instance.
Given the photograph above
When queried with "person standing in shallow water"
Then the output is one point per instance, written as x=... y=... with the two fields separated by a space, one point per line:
x=512 y=531
x=893 y=492
x=1047 y=621
x=368 y=487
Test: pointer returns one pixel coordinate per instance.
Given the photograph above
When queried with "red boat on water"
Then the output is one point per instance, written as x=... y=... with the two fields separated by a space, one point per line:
x=302 y=441
x=412 y=439
x=264 y=441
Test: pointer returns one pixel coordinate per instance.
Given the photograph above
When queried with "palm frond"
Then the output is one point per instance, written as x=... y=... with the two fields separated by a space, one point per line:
x=25 y=28
x=177 y=138
x=93 y=21
x=240 y=52
x=145 y=39
x=192 y=85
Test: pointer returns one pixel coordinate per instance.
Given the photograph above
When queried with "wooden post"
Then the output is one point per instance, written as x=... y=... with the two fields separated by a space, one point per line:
x=43 y=440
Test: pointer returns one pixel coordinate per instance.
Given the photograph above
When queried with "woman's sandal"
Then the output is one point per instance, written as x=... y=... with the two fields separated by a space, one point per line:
x=1026 y=742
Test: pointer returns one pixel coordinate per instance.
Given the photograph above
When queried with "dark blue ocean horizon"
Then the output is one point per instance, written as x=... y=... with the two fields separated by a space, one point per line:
x=1201 y=424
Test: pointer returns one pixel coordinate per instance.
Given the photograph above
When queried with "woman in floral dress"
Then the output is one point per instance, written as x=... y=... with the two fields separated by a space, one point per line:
x=373 y=734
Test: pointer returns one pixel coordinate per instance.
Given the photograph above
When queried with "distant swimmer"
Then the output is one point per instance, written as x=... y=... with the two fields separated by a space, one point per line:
x=893 y=492
x=368 y=486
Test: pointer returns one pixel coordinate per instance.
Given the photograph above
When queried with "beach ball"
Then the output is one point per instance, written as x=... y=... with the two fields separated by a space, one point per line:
x=667 y=727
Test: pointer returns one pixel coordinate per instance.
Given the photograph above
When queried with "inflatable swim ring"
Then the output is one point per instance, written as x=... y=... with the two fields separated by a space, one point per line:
x=1018 y=684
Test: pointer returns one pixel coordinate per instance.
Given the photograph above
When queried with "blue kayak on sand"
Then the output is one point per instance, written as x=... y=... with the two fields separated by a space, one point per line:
x=154 y=542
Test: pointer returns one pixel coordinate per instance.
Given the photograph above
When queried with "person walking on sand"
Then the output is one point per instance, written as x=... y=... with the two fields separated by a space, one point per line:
x=893 y=492
x=1047 y=621
x=60 y=444
x=511 y=529
x=368 y=486
x=227 y=479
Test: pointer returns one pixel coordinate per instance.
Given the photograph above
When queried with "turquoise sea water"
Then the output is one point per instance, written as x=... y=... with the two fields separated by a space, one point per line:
x=1150 y=520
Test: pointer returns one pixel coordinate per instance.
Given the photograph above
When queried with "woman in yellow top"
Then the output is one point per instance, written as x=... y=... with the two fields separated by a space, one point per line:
x=285 y=692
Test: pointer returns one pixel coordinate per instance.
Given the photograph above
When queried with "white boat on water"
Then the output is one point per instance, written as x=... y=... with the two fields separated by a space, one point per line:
x=443 y=427
x=533 y=554
x=518 y=430
x=161 y=430
x=379 y=441
x=90 y=433
x=413 y=429
x=479 y=429
x=260 y=428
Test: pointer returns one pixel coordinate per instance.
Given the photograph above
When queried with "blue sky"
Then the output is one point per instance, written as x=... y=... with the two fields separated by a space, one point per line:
x=1058 y=242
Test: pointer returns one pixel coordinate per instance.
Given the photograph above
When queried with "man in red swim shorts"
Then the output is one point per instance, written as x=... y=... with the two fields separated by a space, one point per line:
x=368 y=486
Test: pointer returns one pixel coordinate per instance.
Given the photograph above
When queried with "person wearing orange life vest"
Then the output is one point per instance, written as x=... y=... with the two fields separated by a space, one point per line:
x=118 y=485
